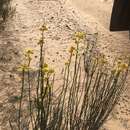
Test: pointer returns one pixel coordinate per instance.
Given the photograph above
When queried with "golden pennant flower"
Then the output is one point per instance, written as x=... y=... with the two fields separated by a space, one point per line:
x=71 y=50
x=66 y=63
x=102 y=60
x=47 y=70
x=28 y=55
x=29 y=51
x=41 y=41
x=120 y=67
x=23 y=67
x=45 y=65
x=79 y=36
x=43 y=28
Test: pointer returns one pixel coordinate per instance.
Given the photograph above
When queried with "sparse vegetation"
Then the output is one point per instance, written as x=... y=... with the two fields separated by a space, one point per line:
x=90 y=90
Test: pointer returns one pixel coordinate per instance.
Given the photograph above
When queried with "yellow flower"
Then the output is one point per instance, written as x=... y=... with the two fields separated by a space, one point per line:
x=40 y=42
x=123 y=66
x=67 y=63
x=23 y=67
x=102 y=60
x=47 y=70
x=29 y=51
x=80 y=35
x=45 y=65
x=71 y=50
x=120 y=67
x=43 y=28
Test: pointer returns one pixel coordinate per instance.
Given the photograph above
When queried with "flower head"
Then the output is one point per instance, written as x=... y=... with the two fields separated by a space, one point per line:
x=66 y=63
x=47 y=70
x=45 y=65
x=79 y=36
x=23 y=67
x=71 y=50
x=41 y=41
x=120 y=67
x=29 y=51
x=28 y=55
x=102 y=60
x=43 y=28
x=123 y=66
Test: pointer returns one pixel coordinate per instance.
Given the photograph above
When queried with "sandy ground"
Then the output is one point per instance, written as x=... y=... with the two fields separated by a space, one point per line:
x=97 y=13
x=62 y=20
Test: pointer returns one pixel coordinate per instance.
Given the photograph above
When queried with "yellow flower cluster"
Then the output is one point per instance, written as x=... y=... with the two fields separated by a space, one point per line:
x=41 y=41
x=72 y=50
x=43 y=28
x=28 y=57
x=79 y=36
x=120 y=67
x=66 y=63
x=23 y=67
x=28 y=54
x=47 y=70
x=102 y=60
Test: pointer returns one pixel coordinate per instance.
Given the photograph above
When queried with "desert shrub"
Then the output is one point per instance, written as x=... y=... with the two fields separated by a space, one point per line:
x=90 y=90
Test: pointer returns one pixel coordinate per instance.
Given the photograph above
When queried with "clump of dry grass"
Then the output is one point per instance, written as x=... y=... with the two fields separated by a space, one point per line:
x=90 y=90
